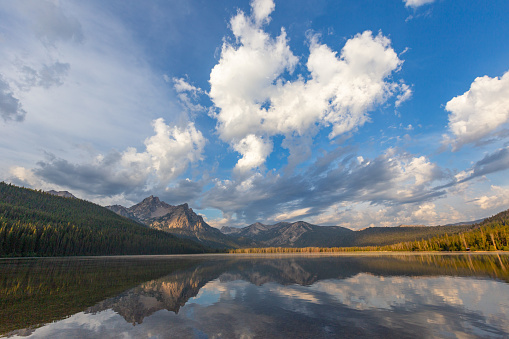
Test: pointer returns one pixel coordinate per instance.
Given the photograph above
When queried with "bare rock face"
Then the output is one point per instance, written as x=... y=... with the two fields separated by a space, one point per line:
x=291 y=233
x=179 y=220
x=180 y=217
x=150 y=207
x=158 y=214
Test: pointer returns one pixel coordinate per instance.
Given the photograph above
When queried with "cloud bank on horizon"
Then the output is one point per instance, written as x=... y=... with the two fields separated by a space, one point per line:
x=331 y=113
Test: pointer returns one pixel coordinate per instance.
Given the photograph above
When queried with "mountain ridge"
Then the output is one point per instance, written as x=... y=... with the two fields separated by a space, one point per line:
x=303 y=234
x=179 y=220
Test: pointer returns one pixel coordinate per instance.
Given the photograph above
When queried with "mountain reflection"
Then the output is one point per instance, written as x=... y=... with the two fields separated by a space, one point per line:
x=173 y=291
x=297 y=296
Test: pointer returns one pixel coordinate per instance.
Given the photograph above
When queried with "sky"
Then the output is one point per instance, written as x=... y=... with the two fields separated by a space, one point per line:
x=352 y=113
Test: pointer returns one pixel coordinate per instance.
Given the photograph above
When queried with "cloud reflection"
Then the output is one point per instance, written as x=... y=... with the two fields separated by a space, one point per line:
x=302 y=298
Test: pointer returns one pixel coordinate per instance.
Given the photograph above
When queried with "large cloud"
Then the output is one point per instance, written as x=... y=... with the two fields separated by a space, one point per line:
x=480 y=111
x=168 y=154
x=256 y=102
x=78 y=79
x=392 y=178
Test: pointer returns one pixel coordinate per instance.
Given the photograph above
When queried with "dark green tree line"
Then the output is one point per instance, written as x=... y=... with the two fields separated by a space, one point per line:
x=35 y=223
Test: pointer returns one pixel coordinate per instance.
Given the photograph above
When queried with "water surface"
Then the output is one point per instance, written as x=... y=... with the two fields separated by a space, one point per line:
x=235 y=296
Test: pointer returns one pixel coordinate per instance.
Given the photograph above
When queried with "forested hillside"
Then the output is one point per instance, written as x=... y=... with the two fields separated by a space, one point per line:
x=381 y=236
x=490 y=235
x=35 y=223
x=301 y=234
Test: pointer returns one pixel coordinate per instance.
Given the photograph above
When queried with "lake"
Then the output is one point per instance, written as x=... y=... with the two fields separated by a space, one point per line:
x=248 y=296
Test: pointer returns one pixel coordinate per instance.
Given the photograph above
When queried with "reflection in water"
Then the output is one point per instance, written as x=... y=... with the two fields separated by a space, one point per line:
x=463 y=296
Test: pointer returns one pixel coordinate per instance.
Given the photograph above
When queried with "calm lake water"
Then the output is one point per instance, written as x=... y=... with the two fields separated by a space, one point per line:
x=231 y=296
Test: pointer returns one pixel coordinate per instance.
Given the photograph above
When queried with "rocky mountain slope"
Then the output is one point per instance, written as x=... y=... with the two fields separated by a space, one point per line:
x=179 y=220
x=297 y=234
x=251 y=230
x=184 y=222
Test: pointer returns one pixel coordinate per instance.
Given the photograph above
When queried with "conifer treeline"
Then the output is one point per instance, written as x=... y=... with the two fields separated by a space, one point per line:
x=490 y=235
x=35 y=223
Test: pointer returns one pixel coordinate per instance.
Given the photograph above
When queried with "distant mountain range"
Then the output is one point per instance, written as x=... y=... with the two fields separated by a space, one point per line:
x=182 y=221
x=303 y=234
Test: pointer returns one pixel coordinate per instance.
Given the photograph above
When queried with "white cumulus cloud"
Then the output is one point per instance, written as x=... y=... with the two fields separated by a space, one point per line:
x=168 y=154
x=254 y=150
x=262 y=10
x=499 y=198
x=253 y=98
x=173 y=148
x=480 y=111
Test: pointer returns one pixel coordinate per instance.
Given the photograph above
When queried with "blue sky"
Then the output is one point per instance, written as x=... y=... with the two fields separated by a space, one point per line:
x=350 y=113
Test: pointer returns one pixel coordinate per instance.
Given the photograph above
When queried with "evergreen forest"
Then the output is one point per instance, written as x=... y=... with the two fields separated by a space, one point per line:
x=492 y=234
x=35 y=223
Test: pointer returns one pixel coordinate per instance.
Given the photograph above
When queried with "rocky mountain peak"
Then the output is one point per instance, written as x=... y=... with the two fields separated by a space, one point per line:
x=150 y=207
x=151 y=200
x=179 y=220
x=185 y=206
x=301 y=224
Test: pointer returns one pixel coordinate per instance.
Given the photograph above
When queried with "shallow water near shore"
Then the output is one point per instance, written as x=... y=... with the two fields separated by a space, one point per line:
x=257 y=296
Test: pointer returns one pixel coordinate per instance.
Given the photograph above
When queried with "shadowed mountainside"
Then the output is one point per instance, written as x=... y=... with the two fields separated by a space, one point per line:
x=35 y=223
x=303 y=234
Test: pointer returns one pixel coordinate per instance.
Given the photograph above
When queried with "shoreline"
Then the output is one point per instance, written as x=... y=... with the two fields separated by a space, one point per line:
x=289 y=254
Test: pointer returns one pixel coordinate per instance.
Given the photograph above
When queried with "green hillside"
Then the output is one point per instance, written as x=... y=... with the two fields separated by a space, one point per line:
x=490 y=235
x=35 y=223
x=381 y=236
